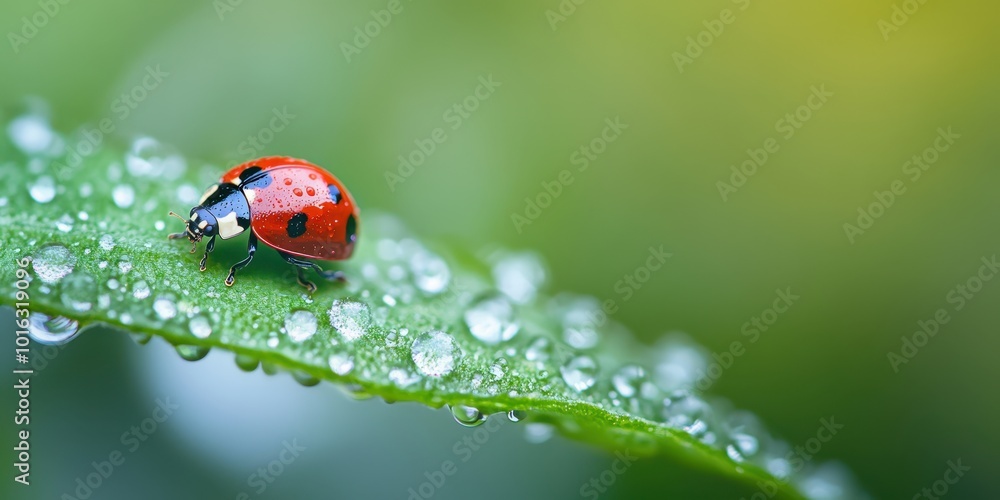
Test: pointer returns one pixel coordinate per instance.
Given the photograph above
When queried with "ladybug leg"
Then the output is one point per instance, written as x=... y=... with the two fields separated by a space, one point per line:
x=176 y=236
x=208 y=249
x=305 y=264
x=251 y=249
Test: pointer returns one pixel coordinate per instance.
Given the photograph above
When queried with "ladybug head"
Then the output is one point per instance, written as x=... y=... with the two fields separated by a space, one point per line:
x=201 y=224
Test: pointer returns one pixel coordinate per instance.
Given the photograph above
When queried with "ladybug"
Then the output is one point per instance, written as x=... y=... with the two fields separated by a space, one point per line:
x=293 y=206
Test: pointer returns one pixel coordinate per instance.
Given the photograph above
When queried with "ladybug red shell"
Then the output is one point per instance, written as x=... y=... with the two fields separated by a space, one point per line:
x=291 y=205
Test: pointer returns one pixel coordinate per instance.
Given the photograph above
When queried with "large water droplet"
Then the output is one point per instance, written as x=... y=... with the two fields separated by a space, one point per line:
x=539 y=350
x=300 y=325
x=491 y=319
x=246 y=362
x=517 y=415
x=434 y=353
x=123 y=195
x=305 y=379
x=519 y=276
x=430 y=272
x=200 y=327
x=53 y=262
x=341 y=364
x=580 y=373
x=350 y=318
x=79 y=291
x=52 y=330
x=192 y=352
x=141 y=290
x=537 y=433
x=628 y=380
x=149 y=158
x=164 y=308
x=580 y=323
x=467 y=415
x=403 y=378
x=31 y=133
x=43 y=190
x=107 y=242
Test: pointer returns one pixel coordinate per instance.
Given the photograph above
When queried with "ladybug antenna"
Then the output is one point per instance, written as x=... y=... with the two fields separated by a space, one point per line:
x=172 y=214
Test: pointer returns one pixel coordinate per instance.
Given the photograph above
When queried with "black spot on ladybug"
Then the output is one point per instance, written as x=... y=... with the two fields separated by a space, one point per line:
x=297 y=225
x=334 y=193
x=352 y=229
x=248 y=173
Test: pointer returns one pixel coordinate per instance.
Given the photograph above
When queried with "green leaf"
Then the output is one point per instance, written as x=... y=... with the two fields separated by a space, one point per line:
x=400 y=328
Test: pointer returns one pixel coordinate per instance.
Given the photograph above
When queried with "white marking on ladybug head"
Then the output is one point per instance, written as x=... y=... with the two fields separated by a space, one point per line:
x=228 y=226
x=250 y=194
x=202 y=224
x=208 y=192
x=194 y=216
x=236 y=181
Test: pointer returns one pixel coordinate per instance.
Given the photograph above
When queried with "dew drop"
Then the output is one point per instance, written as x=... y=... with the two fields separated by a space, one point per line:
x=31 y=133
x=164 y=308
x=517 y=415
x=519 y=276
x=140 y=290
x=434 y=353
x=580 y=325
x=272 y=342
x=123 y=195
x=52 y=330
x=538 y=350
x=310 y=191
x=467 y=415
x=124 y=266
x=300 y=325
x=499 y=368
x=628 y=380
x=192 y=352
x=200 y=327
x=43 y=190
x=107 y=242
x=341 y=364
x=187 y=194
x=491 y=320
x=78 y=291
x=305 y=379
x=536 y=433
x=247 y=363
x=84 y=216
x=159 y=225
x=430 y=272
x=65 y=223
x=140 y=338
x=580 y=373
x=52 y=263
x=350 y=318
x=403 y=378
x=297 y=191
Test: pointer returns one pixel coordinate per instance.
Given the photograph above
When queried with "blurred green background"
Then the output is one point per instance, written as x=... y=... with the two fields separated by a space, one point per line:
x=228 y=68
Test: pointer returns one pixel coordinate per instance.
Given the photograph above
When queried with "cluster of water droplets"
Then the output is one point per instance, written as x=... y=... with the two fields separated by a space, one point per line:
x=510 y=339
